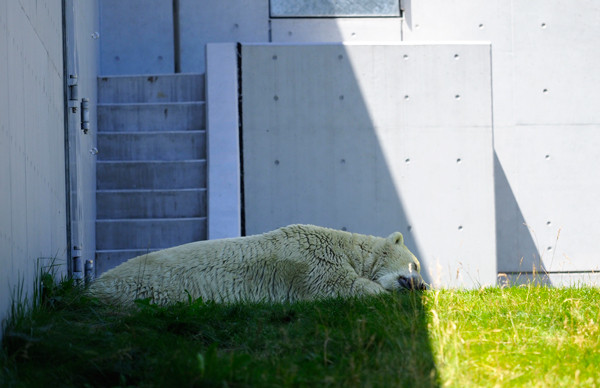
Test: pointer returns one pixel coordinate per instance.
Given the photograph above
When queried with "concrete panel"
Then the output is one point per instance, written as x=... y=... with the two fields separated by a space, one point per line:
x=557 y=81
x=556 y=194
x=136 y=37
x=214 y=21
x=464 y=20
x=169 y=145
x=121 y=204
x=152 y=88
x=148 y=233
x=343 y=136
x=574 y=279
x=128 y=175
x=336 y=30
x=224 y=192
x=172 y=116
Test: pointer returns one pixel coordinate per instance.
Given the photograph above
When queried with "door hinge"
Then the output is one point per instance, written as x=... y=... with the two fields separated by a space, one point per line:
x=73 y=92
x=85 y=115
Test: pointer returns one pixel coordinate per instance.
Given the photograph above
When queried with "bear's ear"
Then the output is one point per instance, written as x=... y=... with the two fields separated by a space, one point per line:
x=396 y=238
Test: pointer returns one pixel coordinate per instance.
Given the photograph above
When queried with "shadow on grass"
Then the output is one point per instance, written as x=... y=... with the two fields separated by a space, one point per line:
x=74 y=341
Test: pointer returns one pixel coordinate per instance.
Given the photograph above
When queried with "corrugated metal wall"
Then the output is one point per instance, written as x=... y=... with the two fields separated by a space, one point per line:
x=32 y=164
x=33 y=198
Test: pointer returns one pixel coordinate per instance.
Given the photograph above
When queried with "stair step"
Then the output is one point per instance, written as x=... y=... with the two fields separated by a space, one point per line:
x=148 y=234
x=119 y=204
x=125 y=175
x=171 y=145
x=108 y=259
x=174 y=116
x=151 y=88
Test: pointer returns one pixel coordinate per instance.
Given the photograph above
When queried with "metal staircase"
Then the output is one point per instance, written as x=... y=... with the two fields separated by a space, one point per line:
x=151 y=169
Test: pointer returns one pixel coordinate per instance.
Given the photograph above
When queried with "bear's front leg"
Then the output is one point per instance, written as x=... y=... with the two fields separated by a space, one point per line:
x=363 y=286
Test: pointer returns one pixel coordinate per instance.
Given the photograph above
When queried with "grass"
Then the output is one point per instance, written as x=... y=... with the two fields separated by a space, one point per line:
x=529 y=336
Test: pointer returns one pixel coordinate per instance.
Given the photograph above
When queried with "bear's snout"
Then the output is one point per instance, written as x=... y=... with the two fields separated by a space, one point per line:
x=411 y=283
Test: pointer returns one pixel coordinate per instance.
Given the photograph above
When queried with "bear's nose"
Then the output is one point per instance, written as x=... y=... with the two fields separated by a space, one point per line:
x=411 y=283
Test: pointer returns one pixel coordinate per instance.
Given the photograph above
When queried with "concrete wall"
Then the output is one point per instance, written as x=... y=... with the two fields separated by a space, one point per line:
x=546 y=123
x=32 y=148
x=342 y=136
x=137 y=37
x=544 y=87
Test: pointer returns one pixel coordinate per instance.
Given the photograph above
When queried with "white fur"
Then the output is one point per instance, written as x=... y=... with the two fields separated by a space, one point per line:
x=297 y=262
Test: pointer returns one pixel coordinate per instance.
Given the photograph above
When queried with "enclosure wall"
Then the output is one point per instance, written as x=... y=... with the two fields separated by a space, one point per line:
x=32 y=143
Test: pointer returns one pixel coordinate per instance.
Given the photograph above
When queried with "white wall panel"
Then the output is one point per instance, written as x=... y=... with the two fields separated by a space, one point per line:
x=554 y=176
x=137 y=37
x=337 y=30
x=345 y=136
x=464 y=20
x=224 y=191
x=556 y=61
x=545 y=89
x=214 y=21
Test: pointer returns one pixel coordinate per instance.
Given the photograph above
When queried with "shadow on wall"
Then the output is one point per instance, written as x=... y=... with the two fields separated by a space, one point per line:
x=310 y=148
x=311 y=153
x=518 y=258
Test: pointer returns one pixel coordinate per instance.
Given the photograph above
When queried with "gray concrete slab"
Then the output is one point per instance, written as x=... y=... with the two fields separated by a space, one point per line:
x=144 y=234
x=119 y=204
x=174 y=116
x=151 y=88
x=171 y=145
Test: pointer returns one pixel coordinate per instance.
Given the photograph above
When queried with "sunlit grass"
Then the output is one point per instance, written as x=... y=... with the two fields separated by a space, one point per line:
x=528 y=336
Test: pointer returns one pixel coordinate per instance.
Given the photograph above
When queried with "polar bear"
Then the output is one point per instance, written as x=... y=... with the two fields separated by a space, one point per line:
x=297 y=262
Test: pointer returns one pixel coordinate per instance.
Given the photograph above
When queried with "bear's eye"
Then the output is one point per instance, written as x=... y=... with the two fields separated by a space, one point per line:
x=412 y=267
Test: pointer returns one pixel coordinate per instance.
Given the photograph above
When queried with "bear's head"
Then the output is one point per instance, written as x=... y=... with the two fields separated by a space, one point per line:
x=394 y=266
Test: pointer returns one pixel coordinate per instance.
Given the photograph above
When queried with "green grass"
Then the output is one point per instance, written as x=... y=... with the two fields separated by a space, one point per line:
x=530 y=336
